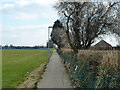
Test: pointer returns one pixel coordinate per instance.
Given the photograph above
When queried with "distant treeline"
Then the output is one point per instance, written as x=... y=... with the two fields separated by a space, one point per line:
x=22 y=47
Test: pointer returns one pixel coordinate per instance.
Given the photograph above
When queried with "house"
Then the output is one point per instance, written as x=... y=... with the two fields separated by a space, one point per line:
x=102 y=45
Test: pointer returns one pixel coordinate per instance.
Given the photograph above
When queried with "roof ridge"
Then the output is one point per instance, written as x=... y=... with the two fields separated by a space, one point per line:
x=102 y=42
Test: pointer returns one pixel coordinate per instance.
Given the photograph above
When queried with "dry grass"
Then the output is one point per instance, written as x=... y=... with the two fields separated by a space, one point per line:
x=104 y=58
x=104 y=65
x=66 y=50
x=110 y=60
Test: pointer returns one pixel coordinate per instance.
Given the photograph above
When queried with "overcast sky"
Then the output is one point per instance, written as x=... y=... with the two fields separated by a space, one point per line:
x=25 y=22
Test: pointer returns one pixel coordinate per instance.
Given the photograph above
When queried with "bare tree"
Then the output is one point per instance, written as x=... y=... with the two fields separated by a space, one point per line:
x=117 y=24
x=84 y=21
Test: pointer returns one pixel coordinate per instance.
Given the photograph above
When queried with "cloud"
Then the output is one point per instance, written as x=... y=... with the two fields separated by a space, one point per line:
x=29 y=10
x=0 y=33
x=25 y=35
x=25 y=16
x=25 y=28
x=23 y=2
x=40 y=2
x=46 y=2
x=21 y=20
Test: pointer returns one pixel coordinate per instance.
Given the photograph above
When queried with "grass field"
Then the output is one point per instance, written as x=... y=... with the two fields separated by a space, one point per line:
x=16 y=63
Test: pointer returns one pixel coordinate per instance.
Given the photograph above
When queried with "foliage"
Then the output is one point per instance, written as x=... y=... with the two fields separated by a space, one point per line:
x=58 y=35
x=57 y=24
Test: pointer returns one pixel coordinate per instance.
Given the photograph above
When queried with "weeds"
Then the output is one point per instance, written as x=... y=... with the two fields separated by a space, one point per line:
x=96 y=69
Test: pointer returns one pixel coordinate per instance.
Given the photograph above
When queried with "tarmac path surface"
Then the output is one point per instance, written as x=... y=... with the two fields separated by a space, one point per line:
x=55 y=75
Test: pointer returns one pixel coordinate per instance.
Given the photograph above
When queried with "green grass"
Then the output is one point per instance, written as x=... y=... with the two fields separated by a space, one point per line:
x=16 y=63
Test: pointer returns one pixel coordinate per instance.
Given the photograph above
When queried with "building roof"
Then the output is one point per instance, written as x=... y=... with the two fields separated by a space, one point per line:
x=102 y=43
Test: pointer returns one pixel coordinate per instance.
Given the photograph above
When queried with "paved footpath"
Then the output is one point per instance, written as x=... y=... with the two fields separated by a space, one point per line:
x=55 y=75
